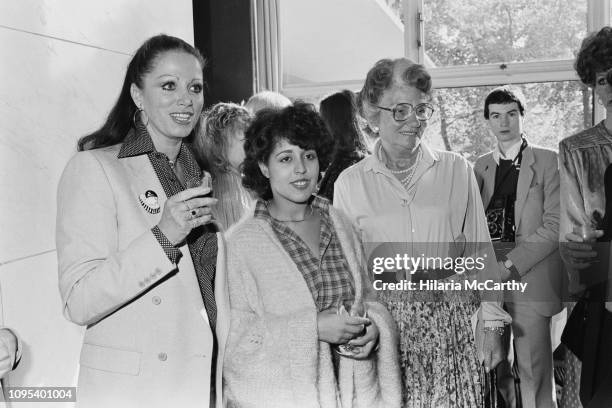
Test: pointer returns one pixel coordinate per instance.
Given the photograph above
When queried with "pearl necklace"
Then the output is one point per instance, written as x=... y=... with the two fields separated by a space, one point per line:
x=410 y=170
x=406 y=180
x=402 y=171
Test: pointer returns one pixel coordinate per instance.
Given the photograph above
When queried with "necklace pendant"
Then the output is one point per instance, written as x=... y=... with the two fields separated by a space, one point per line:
x=309 y=212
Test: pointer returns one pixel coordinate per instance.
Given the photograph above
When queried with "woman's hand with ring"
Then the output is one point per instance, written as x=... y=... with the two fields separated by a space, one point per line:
x=185 y=211
x=339 y=329
x=199 y=212
x=367 y=343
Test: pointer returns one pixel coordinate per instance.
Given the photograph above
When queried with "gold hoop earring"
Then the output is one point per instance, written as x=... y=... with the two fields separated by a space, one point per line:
x=142 y=112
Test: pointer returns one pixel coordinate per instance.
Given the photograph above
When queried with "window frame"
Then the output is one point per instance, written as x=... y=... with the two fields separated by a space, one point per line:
x=598 y=15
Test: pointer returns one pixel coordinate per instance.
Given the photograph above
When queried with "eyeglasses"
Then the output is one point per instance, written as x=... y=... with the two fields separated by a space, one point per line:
x=402 y=111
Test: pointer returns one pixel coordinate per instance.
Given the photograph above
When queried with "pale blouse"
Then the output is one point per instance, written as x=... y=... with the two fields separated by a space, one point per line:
x=440 y=207
x=583 y=159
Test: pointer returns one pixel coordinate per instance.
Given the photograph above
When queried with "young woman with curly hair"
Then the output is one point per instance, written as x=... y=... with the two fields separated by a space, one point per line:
x=290 y=267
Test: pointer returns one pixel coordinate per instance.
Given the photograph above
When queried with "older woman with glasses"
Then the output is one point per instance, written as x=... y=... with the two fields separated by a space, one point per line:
x=425 y=203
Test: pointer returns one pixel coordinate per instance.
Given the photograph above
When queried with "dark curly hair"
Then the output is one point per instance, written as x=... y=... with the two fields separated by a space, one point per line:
x=595 y=55
x=503 y=95
x=384 y=75
x=299 y=124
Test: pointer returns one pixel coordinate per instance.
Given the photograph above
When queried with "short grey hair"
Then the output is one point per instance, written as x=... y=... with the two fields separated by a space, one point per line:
x=387 y=73
x=267 y=100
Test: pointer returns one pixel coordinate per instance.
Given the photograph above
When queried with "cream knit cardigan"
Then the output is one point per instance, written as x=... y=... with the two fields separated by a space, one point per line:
x=273 y=356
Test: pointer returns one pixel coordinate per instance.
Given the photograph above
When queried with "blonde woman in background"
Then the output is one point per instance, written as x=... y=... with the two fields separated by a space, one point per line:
x=220 y=148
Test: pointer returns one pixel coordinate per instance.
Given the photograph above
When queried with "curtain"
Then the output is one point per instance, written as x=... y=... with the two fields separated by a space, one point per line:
x=267 y=45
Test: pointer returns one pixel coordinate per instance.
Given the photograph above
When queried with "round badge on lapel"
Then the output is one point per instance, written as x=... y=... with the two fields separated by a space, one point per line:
x=149 y=201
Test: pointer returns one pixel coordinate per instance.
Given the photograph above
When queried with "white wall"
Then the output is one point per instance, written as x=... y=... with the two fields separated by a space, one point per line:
x=62 y=66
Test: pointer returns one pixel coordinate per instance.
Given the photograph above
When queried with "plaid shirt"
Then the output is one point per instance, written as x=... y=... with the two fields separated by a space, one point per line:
x=202 y=241
x=327 y=275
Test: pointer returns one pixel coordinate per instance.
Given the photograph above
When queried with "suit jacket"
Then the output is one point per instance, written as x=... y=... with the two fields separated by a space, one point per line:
x=536 y=214
x=148 y=341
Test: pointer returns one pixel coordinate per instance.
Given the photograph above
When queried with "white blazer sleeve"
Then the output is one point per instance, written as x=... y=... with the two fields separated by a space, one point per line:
x=95 y=276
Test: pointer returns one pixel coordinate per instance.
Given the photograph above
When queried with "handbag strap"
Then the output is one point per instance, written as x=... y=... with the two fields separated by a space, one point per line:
x=517 y=159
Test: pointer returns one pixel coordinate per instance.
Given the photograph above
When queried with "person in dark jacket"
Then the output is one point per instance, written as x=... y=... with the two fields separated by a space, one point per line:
x=339 y=112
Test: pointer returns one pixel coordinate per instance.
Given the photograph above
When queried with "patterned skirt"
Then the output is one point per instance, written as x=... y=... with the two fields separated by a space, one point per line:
x=439 y=362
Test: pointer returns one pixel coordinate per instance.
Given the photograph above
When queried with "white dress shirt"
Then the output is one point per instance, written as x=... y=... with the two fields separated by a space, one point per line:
x=511 y=152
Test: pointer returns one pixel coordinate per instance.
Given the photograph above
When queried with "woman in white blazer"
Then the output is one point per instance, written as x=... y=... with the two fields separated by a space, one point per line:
x=137 y=257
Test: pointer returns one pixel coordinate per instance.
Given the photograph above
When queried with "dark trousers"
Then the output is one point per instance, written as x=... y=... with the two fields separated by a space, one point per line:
x=596 y=375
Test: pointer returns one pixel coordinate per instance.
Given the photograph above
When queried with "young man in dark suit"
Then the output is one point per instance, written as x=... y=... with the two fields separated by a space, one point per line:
x=519 y=185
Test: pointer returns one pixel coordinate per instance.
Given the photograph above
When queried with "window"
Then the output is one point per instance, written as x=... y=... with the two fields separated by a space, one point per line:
x=469 y=46
x=311 y=47
x=468 y=32
x=486 y=42
x=338 y=44
x=554 y=110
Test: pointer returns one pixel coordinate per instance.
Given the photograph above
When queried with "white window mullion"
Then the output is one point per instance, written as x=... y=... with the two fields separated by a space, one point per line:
x=267 y=59
x=414 y=33
x=598 y=14
x=496 y=74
